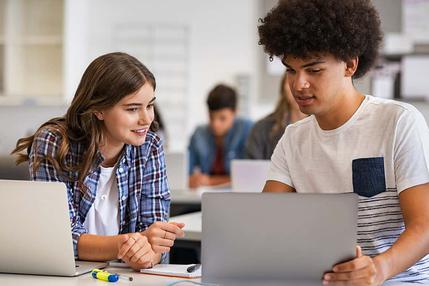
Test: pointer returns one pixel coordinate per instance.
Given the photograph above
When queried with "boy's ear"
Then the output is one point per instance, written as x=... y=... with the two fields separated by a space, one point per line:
x=99 y=115
x=351 y=67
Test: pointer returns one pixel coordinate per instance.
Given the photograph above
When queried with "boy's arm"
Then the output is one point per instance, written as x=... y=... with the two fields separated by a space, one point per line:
x=277 y=187
x=411 y=246
x=413 y=243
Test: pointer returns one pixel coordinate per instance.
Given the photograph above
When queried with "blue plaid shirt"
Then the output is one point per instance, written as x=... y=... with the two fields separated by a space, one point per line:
x=144 y=196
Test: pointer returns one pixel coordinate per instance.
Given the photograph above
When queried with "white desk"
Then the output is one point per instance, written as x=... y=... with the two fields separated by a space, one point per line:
x=185 y=197
x=139 y=279
x=193 y=196
x=86 y=280
x=193 y=223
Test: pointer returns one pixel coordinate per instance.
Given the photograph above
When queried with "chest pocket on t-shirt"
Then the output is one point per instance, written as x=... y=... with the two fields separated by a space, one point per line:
x=368 y=176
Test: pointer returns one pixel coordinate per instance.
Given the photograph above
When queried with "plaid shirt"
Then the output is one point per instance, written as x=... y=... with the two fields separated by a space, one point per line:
x=141 y=176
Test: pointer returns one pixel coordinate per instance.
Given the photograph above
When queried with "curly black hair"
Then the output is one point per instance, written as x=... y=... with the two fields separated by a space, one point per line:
x=342 y=28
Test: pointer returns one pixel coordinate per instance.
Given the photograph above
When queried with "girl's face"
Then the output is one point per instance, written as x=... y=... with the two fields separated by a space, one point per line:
x=129 y=120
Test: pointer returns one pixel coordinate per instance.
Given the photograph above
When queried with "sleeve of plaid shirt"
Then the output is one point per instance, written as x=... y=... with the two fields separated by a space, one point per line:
x=46 y=144
x=155 y=199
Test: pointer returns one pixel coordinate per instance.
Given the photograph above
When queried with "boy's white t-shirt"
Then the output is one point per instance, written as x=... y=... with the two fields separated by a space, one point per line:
x=102 y=218
x=380 y=151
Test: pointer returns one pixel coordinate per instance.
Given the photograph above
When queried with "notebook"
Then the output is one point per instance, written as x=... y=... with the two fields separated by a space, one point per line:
x=176 y=270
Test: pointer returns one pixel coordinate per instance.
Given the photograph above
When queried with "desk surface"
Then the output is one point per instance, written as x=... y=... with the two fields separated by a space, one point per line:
x=139 y=279
x=86 y=279
x=193 y=196
x=193 y=225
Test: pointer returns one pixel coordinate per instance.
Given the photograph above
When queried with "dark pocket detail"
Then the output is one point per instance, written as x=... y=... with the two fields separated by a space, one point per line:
x=368 y=176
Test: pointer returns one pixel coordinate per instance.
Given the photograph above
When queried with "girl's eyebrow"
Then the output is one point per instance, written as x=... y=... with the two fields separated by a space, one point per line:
x=139 y=104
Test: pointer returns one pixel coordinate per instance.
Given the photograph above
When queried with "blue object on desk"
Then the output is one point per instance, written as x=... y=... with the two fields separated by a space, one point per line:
x=104 y=275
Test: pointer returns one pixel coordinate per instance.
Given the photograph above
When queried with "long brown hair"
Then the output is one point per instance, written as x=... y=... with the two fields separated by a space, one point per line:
x=107 y=80
x=282 y=110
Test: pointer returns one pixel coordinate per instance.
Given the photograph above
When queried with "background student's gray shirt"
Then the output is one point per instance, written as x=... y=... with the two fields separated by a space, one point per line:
x=262 y=141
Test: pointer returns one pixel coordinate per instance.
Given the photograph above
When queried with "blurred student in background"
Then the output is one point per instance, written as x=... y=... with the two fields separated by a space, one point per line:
x=213 y=146
x=267 y=132
x=159 y=125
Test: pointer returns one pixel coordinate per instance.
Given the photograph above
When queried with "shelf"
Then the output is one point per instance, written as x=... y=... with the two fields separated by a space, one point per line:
x=2 y=17
x=31 y=36
x=1 y=68
x=40 y=17
x=37 y=71
x=30 y=100
x=40 y=40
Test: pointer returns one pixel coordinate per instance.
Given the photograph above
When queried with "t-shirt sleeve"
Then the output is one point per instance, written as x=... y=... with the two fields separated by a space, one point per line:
x=411 y=147
x=279 y=169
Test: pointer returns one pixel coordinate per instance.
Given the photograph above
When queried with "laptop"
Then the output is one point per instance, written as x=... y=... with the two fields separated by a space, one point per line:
x=36 y=235
x=177 y=170
x=276 y=236
x=249 y=175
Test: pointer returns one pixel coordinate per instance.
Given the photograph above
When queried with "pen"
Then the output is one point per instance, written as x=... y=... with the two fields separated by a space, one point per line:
x=107 y=276
x=193 y=268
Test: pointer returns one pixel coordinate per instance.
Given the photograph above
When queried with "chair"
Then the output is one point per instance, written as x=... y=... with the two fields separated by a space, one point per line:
x=10 y=171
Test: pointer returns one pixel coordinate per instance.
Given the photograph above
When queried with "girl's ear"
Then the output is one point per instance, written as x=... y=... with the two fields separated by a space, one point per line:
x=351 y=67
x=99 y=115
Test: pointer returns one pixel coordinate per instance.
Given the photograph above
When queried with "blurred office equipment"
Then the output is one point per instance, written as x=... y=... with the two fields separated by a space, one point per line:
x=414 y=81
x=385 y=80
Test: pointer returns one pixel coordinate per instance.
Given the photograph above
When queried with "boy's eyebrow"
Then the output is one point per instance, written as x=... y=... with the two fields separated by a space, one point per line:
x=139 y=104
x=315 y=62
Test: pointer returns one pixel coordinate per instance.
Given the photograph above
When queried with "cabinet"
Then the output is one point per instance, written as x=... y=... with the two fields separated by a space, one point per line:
x=31 y=50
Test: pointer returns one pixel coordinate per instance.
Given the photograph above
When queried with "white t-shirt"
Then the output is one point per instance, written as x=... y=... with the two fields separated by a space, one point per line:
x=102 y=218
x=380 y=151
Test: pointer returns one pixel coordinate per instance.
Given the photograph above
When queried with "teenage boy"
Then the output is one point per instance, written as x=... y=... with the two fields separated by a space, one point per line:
x=213 y=146
x=352 y=142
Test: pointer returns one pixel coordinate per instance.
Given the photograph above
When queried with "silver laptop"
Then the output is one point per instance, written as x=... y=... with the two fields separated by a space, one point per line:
x=249 y=175
x=36 y=235
x=276 y=236
x=177 y=170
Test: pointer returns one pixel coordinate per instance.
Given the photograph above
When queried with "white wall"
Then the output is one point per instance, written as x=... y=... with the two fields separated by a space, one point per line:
x=223 y=42
x=23 y=120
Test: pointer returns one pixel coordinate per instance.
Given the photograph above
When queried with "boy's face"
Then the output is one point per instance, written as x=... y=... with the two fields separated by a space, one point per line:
x=316 y=82
x=221 y=121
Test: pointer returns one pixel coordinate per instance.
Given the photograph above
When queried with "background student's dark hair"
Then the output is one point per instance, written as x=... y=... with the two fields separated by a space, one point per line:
x=344 y=28
x=222 y=96
x=107 y=80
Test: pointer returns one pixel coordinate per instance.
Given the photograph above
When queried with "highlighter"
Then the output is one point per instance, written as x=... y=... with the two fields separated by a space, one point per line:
x=107 y=276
